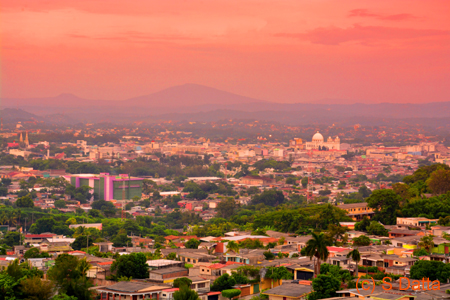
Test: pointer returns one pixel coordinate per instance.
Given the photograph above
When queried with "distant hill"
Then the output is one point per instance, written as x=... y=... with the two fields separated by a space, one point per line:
x=12 y=115
x=197 y=102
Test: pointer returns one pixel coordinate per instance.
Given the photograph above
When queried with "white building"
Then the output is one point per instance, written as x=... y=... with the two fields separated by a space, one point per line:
x=318 y=143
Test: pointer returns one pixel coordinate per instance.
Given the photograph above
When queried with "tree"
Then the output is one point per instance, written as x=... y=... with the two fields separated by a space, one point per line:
x=224 y=282
x=25 y=201
x=34 y=253
x=269 y=198
x=268 y=255
x=69 y=275
x=37 y=289
x=386 y=204
x=82 y=241
x=12 y=238
x=361 y=240
x=121 y=240
x=363 y=224
x=179 y=282
x=426 y=243
x=226 y=208
x=434 y=270
x=420 y=252
x=376 y=228
x=439 y=181
x=60 y=204
x=364 y=191
x=171 y=256
x=278 y=273
x=131 y=265
x=356 y=257
x=317 y=247
x=192 y=244
x=233 y=246
x=43 y=225
x=324 y=286
x=230 y=294
x=185 y=293
x=335 y=232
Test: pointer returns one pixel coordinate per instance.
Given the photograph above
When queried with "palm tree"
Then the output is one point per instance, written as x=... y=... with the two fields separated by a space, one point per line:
x=356 y=257
x=427 y=243
x=317 y=247
x=233 y=246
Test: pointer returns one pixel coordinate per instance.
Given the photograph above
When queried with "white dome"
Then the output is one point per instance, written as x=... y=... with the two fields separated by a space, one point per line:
x=317 y=136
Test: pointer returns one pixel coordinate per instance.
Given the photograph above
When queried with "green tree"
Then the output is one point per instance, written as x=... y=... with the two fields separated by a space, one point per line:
x=304 y=182
x=25 y=201
x=121 y=240
x=171 y=256
x=179 y=282
x=224 y=282
x=434 y=270
x=376 y=228
x=269 y=198
x=185 y=293
x=230 y=294
x=427 y=243
x=69 y=276
x=226 y=208
x=11 y=238
x=278 y=273
x=439 y=181
x=233 y=246
x=335 y=232
x=269 y=255
x=82 y=241
x=35 y=253
x=35 y=288
x=131 y=265
x=324 y=286
x=356 y=257
x=192 y=244
x=60 y=204
x=317 y=247
x=386 y=205
x=363 y=224
x=361 y=240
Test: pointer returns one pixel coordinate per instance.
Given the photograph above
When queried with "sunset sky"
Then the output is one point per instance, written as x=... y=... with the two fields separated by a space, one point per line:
x=282 y=51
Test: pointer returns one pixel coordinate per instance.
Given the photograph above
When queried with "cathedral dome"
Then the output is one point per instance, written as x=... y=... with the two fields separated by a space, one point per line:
x=317 y=137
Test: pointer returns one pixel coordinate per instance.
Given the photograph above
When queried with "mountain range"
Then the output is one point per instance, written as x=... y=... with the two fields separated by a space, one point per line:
x=192 y=102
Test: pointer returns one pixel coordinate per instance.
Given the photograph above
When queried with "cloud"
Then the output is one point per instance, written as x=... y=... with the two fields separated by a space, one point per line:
x=364 y=13
x=363 y=34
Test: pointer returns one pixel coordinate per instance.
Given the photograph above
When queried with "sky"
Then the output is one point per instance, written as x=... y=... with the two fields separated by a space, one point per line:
x=282 y=50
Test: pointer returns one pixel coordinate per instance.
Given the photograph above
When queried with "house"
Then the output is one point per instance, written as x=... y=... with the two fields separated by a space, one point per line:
x=168 y=274
x=37 y=238
x=247 y=256
x=194 y=257
x=415 y=222
x=395 y=233
x=289 y=291
x=104 y=247
x=357 y=211
x=129 y=290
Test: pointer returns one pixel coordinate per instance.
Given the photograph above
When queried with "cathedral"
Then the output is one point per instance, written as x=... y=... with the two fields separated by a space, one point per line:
x=318 y=143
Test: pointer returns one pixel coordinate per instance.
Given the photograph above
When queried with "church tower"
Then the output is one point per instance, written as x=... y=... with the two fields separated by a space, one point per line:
x=27 y=143
x=21 y=138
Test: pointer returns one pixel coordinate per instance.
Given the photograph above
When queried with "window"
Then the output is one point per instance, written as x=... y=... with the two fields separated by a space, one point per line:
x=386 y=264
x=203 y=270
x=201 y=285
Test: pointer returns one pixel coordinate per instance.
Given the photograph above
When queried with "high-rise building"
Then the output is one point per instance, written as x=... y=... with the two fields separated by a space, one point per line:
x=109 y=187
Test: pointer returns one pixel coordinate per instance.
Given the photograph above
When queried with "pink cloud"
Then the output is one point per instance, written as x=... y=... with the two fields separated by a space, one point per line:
x=365 y=13
x=359 y=33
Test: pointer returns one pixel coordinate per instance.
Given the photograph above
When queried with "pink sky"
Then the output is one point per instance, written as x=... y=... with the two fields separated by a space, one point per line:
x=282 y=50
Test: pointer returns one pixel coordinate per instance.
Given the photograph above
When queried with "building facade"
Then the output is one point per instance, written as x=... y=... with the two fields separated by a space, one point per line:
x=319 y=143
x=109 y=187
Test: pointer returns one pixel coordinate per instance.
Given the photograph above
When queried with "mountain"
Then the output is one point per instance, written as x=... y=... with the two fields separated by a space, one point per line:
x=189 y=95
x=197 y=102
